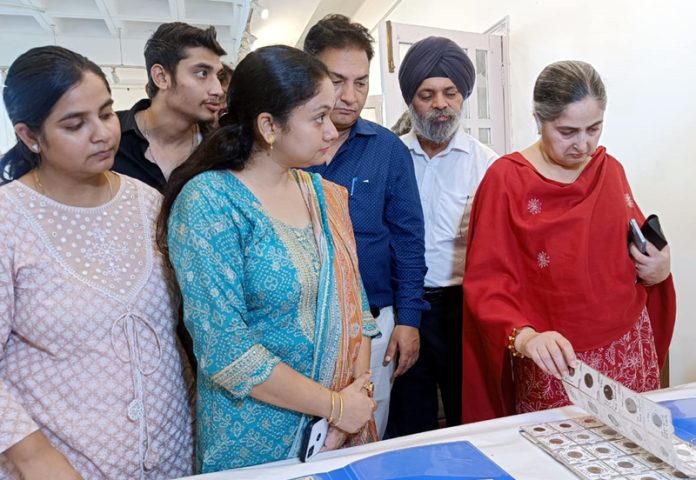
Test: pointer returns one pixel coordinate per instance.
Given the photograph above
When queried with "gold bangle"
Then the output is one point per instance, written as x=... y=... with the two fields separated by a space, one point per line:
x=333 y=405
x=511 y=343
x=340 y=411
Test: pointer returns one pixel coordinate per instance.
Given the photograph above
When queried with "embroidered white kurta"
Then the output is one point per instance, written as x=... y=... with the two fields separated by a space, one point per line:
x=88 y=349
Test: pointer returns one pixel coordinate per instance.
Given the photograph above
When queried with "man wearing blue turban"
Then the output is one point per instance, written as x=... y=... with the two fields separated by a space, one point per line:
x=436 y=57
x=436 y=77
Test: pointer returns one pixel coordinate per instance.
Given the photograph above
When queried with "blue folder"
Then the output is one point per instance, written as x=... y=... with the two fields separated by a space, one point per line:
x=443 y=461
x=683 y=418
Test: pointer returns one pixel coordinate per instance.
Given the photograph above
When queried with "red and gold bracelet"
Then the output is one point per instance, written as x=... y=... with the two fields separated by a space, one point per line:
x=511 y=343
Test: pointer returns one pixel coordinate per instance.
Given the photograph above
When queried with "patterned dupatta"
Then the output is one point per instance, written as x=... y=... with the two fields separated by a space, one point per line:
x=338 y=325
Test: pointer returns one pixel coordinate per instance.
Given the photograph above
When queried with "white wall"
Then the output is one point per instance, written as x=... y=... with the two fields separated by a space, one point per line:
x=644 y=50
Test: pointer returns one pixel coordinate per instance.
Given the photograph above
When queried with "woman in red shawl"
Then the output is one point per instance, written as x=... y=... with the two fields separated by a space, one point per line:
x=550 y=276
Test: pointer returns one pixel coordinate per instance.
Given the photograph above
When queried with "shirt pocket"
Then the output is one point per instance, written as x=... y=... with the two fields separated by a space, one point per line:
x=454 y=210
x=366 y=203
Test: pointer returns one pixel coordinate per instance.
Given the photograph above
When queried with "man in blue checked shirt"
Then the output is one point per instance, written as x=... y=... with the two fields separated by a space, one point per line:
x=376 y=169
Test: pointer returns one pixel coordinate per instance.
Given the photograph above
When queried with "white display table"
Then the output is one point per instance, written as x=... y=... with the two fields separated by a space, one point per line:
x=499 y=439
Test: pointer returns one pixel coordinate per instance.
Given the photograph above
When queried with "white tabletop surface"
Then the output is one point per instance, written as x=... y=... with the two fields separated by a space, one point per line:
x=499 y=439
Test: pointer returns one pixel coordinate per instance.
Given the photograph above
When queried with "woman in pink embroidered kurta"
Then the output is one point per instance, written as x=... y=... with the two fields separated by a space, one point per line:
x=88 y=352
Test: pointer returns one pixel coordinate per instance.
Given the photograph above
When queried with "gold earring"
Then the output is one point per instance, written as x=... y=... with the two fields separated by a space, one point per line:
x=271 y=141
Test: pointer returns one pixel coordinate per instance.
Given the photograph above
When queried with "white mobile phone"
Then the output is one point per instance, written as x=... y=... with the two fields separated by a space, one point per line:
x=314 y=438
x=637 y=236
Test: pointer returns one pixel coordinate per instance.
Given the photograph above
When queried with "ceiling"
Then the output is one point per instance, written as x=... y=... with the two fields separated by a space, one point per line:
x=112 y=33
x=130 y=18
x=289 y=20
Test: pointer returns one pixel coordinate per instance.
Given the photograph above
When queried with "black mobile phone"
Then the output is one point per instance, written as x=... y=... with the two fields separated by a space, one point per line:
x=652 y=231
x=313 y=438
x=637 y=236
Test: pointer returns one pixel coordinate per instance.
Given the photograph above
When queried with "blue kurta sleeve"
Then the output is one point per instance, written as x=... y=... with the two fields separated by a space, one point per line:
x=369 y=328
x=207 y=251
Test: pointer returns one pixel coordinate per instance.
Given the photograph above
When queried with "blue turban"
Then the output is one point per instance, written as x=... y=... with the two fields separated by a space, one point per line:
x=435 y=57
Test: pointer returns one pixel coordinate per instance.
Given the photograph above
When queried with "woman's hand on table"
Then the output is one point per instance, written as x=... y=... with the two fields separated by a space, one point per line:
x=654 y=267
x=550 y=351
x=357 y=405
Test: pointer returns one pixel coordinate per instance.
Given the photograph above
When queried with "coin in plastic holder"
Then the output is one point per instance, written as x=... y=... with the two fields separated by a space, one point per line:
x=594 y=470
x=685 y=452
x=590 y=405
x=646 y=476
x=575 y=454
x=673 y=474
x=687 y=466
x=605 y=450
x=607 y=432
x=631 y=406
x=627 y=465
x=614 y=419
x=589 y=381
x=589 y=421
x=584 y=437
x=658 y=420
x=573 y=377
x=609 y=393
x=628 y=445
x=638 y=434
x=565 y=426
x=541 y=430
x=575 y=396
x=555 y=442
x=652 y=460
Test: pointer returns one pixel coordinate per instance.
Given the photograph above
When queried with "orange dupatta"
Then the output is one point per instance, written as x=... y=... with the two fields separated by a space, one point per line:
x=328 y=206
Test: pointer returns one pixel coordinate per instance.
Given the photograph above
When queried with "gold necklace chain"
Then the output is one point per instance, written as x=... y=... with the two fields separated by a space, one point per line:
x=42 y=189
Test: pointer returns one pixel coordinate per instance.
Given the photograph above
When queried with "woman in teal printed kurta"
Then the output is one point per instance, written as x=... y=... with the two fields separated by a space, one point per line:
x=276 y=311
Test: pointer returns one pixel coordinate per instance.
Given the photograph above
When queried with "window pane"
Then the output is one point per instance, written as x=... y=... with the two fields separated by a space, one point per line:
x=485 y=135
x=466 y=109
x=482 y=83
x=468 y=131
